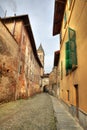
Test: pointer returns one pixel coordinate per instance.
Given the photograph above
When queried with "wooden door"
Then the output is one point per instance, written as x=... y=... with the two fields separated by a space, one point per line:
x=77 y=101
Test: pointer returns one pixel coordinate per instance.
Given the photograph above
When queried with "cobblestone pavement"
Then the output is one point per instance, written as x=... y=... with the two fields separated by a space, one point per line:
x=36 y=113
x=41 y=112
x=64 y=119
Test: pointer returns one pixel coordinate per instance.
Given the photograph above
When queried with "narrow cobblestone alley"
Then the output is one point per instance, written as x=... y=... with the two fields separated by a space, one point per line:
x=41 y=112
x=36 y=113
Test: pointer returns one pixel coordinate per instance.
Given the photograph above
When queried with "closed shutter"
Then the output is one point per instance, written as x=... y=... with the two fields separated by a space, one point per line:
x=71 y=34
x=65 y=18
x=72 y=39
x=68 y=64
x=73 y=53
x=68 y=56
x=70 y=50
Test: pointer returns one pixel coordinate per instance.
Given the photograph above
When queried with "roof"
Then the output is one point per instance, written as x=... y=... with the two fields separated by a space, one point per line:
x=40 y=48
x=58 y=15
x=56 y=57
x=26 y=22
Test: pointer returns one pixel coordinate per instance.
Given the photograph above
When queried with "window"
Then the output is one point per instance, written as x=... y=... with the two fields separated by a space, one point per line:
x=23 y=39
x=26 y=71
x=65 y=19
x=20 y=69
x=71 y=54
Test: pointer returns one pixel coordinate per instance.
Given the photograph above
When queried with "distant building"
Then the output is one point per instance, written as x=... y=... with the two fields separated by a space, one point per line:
x=70 y=21
x=26 y=63
x=45 y=82
x=53 y=81
x=57 y=72
x=41 y=55
x=54 y=76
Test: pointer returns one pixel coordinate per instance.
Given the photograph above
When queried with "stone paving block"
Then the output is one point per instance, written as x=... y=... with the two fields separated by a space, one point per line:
x=64 y=120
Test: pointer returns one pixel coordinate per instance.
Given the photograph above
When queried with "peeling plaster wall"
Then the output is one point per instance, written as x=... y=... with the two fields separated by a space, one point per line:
x=8 y=65
x=29 y=70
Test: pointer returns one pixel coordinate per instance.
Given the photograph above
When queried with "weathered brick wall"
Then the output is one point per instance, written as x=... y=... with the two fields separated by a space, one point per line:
x=27 y=72
x=8 y=65
x=32 y=68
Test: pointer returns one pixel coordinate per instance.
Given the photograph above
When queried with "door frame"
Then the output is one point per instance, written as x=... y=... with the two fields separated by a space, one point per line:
x=77 y=99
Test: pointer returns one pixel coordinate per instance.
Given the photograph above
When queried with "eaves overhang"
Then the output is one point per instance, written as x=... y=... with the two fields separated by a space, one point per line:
x=58 y=15
x=56 y=57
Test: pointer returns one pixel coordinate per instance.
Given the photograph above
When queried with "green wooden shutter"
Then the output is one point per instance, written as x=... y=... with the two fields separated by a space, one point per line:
x=68 y=56
x=71 y=34
x=70 y=50
x=65 y=18
x=68 y=64
x=73 y=52
x=72 y=40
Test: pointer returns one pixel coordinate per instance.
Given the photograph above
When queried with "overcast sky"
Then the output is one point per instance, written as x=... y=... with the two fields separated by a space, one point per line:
x=41 y=13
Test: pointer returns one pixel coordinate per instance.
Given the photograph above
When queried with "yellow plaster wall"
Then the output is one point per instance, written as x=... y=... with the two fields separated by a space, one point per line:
x=77 y=20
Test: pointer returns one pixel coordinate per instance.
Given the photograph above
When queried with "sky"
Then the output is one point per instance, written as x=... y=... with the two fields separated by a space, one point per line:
x=41 y=15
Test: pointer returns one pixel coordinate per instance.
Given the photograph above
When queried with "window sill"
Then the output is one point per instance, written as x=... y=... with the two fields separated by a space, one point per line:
x=74 y=67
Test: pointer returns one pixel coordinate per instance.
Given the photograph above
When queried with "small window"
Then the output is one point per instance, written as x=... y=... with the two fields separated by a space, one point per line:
x=23 y=39
x=65 y=19
x=20 y=69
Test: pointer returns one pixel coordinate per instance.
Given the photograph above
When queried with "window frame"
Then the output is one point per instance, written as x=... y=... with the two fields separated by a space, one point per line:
x=65 y=19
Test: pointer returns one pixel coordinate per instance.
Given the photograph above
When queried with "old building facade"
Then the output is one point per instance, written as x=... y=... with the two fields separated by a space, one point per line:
x=53 y=81
x=57 y=73
x=8 y=65
x=72 y=25
x=54 y=77
x=45 y=82
x=27 y=64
